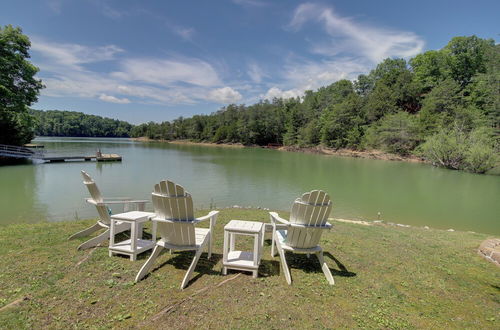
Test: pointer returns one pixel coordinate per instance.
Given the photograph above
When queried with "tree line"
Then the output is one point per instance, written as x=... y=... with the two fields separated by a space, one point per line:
x=71 y=123
x=442 y=105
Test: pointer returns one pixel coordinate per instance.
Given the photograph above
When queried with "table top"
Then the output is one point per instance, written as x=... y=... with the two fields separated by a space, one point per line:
x=133 y=216
x=242 y=226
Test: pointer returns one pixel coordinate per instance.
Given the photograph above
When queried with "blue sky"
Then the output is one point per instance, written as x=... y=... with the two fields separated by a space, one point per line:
x=158 y=60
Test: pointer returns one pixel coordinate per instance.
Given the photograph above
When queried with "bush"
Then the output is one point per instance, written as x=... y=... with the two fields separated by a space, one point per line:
x=456 y=149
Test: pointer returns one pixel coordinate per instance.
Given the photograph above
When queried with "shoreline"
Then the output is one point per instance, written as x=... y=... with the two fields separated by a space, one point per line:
x=367 y=154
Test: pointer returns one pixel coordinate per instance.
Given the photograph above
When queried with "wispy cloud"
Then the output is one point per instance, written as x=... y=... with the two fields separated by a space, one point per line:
x=349 y=36
x=256 y=73
x=74 y=55
x=250 y=3
x=351 y=48
x=184 y=33
x=167 y=72
x=168 y=81
x=55 y=5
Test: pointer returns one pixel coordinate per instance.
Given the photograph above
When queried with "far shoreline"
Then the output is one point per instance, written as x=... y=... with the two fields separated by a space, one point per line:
x=321 y=150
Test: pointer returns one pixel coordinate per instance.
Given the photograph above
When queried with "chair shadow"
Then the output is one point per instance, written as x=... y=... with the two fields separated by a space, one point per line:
x=311 y=264
x=343 y=270
x=182 y=260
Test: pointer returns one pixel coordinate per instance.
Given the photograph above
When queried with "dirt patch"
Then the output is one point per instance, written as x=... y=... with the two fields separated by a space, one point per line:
x=370 y=154
x=490 y=249
x=187 y=142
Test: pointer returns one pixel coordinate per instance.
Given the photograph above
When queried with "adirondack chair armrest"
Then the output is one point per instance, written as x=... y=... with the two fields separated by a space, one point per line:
x=275 y=217
x=208 y=216
x=212 y=215
x=111 y=201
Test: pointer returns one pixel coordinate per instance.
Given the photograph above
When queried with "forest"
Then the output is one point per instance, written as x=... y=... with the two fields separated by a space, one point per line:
x=71 y=123
x=442 y=105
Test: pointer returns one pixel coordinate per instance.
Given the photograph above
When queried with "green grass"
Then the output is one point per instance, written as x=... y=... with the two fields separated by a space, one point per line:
x=386 y=277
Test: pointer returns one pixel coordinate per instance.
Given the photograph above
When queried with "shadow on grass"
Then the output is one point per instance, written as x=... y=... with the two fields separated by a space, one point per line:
x=182 y=260
x=311 y=264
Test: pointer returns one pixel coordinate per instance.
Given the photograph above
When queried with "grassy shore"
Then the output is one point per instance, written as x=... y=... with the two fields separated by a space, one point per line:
x=386 y=277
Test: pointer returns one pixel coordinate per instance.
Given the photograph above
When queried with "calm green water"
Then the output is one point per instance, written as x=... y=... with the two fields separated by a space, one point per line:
x=414 y=194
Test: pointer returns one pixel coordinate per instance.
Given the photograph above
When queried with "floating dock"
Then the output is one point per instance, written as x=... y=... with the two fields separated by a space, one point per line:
x=27 y=152
x=99 y=158
x=34 y=146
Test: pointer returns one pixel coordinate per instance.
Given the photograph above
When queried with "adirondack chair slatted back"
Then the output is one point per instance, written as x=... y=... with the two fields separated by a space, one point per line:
x=312 y=209
x=171 y=202
x=96 y=196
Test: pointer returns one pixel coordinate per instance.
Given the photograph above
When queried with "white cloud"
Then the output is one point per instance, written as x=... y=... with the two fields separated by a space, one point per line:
x=224 y=95
x=275 y=92
x=113 y=99
x=349 y=36
x=306 y=74
x=167 y=72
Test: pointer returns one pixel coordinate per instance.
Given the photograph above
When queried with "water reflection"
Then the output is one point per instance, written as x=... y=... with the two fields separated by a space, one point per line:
x=19 y=194
x=404 y=193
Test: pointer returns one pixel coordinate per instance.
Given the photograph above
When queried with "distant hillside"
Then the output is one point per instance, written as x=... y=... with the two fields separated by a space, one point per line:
x=71 y=123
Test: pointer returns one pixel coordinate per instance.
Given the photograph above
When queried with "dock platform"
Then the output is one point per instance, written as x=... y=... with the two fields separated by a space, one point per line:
x=100 y=158
x=34 y=145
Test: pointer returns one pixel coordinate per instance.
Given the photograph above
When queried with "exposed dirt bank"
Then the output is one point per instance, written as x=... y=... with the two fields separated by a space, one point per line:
x=370 y=154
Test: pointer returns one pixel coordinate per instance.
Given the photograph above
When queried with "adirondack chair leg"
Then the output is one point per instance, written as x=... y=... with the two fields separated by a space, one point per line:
x=86 y=232
x=325 y=268
x=147 y=265
x=273 y=253
x=284 y=264
x=191 y=268
x=209 y=245
x=95 y=241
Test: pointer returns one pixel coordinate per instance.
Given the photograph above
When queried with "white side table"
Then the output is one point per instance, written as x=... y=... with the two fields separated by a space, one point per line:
x=242 y=260
x=135 y=245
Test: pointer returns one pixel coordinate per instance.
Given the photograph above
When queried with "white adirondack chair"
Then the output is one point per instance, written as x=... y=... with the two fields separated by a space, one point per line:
x=176 y=225
x=104 y=221
x=301 y=234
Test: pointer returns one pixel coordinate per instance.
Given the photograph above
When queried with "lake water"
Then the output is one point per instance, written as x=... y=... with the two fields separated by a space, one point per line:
x=415 y=194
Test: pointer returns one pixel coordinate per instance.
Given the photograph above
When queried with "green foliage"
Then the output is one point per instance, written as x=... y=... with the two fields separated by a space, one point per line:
x=341 y=123
x=467 y=56
x=430 y=68
x=396 y=133
x=473 y=151
x=18 y=87
x=70 y=123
